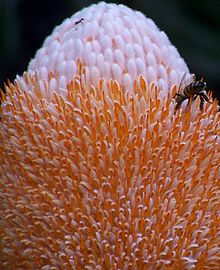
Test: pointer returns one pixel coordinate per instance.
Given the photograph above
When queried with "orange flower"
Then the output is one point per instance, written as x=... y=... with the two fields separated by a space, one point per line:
x=93 y=176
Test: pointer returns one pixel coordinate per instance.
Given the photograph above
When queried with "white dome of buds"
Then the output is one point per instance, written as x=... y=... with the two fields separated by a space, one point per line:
x=114 y=42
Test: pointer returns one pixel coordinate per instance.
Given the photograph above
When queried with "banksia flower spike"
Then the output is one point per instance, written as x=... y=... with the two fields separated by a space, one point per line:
x=96 y=170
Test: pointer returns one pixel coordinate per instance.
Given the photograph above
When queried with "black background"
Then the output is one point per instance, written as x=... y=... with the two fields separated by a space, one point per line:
x=192 y=26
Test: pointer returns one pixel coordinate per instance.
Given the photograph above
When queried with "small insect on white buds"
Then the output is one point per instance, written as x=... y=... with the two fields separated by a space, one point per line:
x=79 y=21
x=118 y=34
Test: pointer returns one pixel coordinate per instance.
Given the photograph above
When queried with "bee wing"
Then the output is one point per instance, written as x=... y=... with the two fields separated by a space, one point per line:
x=190 y=78
x=181 y=81
x=193 y=78
x=184 y=76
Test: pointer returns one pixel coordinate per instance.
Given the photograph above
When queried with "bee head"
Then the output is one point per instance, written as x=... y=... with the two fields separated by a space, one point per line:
x=201 y=86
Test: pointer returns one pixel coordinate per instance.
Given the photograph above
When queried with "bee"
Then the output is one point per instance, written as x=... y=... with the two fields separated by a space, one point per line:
x=191 y=91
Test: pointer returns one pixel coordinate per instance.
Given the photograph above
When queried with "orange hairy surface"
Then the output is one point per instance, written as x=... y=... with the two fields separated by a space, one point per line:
x=103 y=179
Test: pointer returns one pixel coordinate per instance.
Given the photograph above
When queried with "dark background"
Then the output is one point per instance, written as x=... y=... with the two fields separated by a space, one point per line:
x=193 y=27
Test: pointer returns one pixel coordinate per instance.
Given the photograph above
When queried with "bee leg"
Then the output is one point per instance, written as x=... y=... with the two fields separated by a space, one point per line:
x=178 y=104
x=189 y=101
x=201 y=102
x=177 y=94
x=205 y=97
x=177 y=107
x=179 y=100
x=194 y=97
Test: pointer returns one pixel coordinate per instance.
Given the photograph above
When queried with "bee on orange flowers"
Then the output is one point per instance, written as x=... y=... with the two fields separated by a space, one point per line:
x=191 y=91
